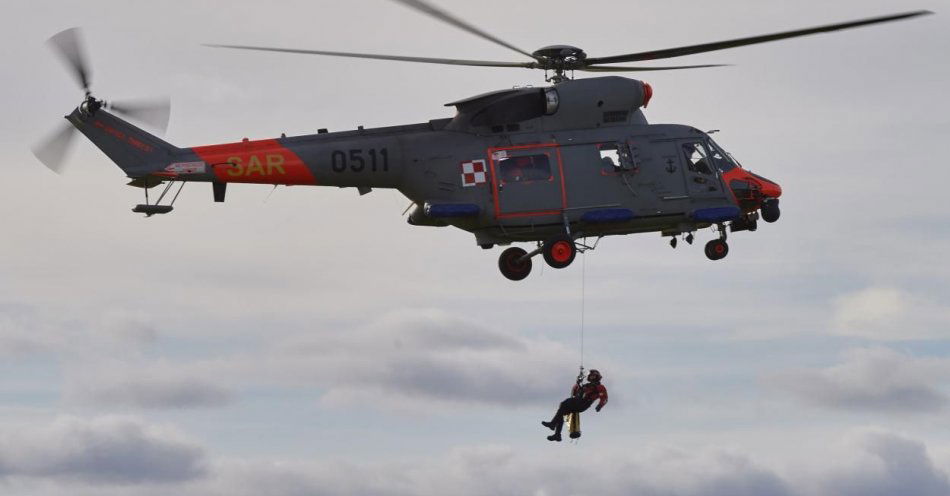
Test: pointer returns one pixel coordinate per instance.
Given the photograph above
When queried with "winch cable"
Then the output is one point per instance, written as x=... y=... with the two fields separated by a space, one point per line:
x=583 y=304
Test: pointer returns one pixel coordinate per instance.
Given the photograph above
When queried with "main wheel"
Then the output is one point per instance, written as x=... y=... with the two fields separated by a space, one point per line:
x=559 y=251
x=717 y=249
x=770 y=211
x=512 y=266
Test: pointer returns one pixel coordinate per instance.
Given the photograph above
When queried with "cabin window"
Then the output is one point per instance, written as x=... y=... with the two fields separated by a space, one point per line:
x=697 y=159
x=609 y=157
x=525 y=168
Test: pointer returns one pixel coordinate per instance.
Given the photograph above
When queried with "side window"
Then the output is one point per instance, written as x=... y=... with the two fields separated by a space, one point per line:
x=609 y=157
x=525 y=168
x=696 y=158
x=616 y=157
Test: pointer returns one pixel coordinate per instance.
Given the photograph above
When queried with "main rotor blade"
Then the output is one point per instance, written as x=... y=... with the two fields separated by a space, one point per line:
x=425 y=60
x=153 y=112
x=722 y=45
x=429 y=9
x=608 y=68
x=52 y=150
x=68 y=46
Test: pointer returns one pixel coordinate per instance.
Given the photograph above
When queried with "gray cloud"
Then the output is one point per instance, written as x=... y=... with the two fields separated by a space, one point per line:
x=427 y=356
x=17 y=338
x=30 y=329
x=500 y=470
x=868 y=463
x=887 y=464
x=150 y=390
x=108 y=450
x=890 y=314
x=872 y=379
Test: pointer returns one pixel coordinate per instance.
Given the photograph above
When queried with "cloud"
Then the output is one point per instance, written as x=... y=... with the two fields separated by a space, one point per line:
x=883 y=313
x=142 y=384
x=413 y=357
x=28 y=329
x=107 y=450
x=872 y=379
x=884 y=464
x=866 y=462
x=501 y=470
x=20 y=334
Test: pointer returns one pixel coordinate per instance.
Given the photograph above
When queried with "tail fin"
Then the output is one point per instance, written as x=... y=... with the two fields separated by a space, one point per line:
x=134 y=150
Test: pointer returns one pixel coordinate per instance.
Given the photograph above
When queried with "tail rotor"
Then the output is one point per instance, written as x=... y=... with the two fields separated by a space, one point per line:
x=68 y=46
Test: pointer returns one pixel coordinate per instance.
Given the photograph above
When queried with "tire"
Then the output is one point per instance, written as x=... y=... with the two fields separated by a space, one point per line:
x=511 y=266
x=770 y=211
x=559 y=251
x=717 y=249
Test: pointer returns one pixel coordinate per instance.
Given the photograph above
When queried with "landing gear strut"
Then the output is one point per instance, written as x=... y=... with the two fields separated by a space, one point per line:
x=558 y=252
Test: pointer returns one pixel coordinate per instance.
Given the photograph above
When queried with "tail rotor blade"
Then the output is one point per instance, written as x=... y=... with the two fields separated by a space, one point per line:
x=68 y=46
x=52 y=150
x=153 y=112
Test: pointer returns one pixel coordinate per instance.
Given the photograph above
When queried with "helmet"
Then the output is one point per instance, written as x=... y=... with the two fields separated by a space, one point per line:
x=594 y=375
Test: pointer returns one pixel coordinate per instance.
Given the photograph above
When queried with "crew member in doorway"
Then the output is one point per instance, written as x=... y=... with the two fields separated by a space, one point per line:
x=582 y=397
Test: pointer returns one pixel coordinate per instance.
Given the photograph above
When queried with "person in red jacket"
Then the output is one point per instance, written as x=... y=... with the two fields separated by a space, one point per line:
x=582 y=397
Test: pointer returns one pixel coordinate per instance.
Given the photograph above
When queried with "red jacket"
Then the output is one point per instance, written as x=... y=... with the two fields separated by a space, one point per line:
x=591 y=391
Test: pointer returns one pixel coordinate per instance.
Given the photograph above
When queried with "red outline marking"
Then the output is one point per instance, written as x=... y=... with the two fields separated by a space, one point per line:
x=560 y=166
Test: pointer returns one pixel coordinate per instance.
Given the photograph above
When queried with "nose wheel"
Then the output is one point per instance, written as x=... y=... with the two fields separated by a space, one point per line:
x=770 y=210
x=717 y=249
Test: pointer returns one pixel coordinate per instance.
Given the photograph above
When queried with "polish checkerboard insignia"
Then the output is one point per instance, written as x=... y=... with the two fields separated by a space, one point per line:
x=474 y=173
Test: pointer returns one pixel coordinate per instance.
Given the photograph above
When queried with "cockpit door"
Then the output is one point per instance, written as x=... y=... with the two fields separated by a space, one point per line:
x=703 y=180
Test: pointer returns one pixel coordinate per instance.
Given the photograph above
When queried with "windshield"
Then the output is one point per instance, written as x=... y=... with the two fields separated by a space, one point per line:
x=720 y=158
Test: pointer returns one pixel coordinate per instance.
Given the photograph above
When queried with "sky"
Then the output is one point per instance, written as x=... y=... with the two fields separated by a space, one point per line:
x=309 y=341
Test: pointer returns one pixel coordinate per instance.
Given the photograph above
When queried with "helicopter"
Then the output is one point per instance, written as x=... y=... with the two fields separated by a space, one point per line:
x=552 y=165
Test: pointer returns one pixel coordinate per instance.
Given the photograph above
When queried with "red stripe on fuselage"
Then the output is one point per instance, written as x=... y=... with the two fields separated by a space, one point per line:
x=262 y=162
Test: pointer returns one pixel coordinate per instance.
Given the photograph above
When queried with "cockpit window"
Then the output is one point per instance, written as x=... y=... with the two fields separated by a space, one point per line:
x=720 y=159
x=696 y=159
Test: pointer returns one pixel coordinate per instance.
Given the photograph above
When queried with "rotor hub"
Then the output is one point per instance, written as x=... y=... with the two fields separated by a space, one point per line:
x=90 y=106
x=559 y=58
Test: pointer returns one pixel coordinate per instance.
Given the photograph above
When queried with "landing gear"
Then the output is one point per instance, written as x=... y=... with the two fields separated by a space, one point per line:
x=717 y=249
x=770 y=210
x=150 y=209
x=514 y=264
x=559 y=251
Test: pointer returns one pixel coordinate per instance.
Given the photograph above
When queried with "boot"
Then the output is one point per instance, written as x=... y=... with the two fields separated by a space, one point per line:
x=555 y=437
x=549 y=425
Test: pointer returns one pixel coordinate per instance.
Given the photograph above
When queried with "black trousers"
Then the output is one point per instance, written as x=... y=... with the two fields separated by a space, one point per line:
x=570 y=405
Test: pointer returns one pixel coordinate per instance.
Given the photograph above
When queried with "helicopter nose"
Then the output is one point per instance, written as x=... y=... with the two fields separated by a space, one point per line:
x=770 y=189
